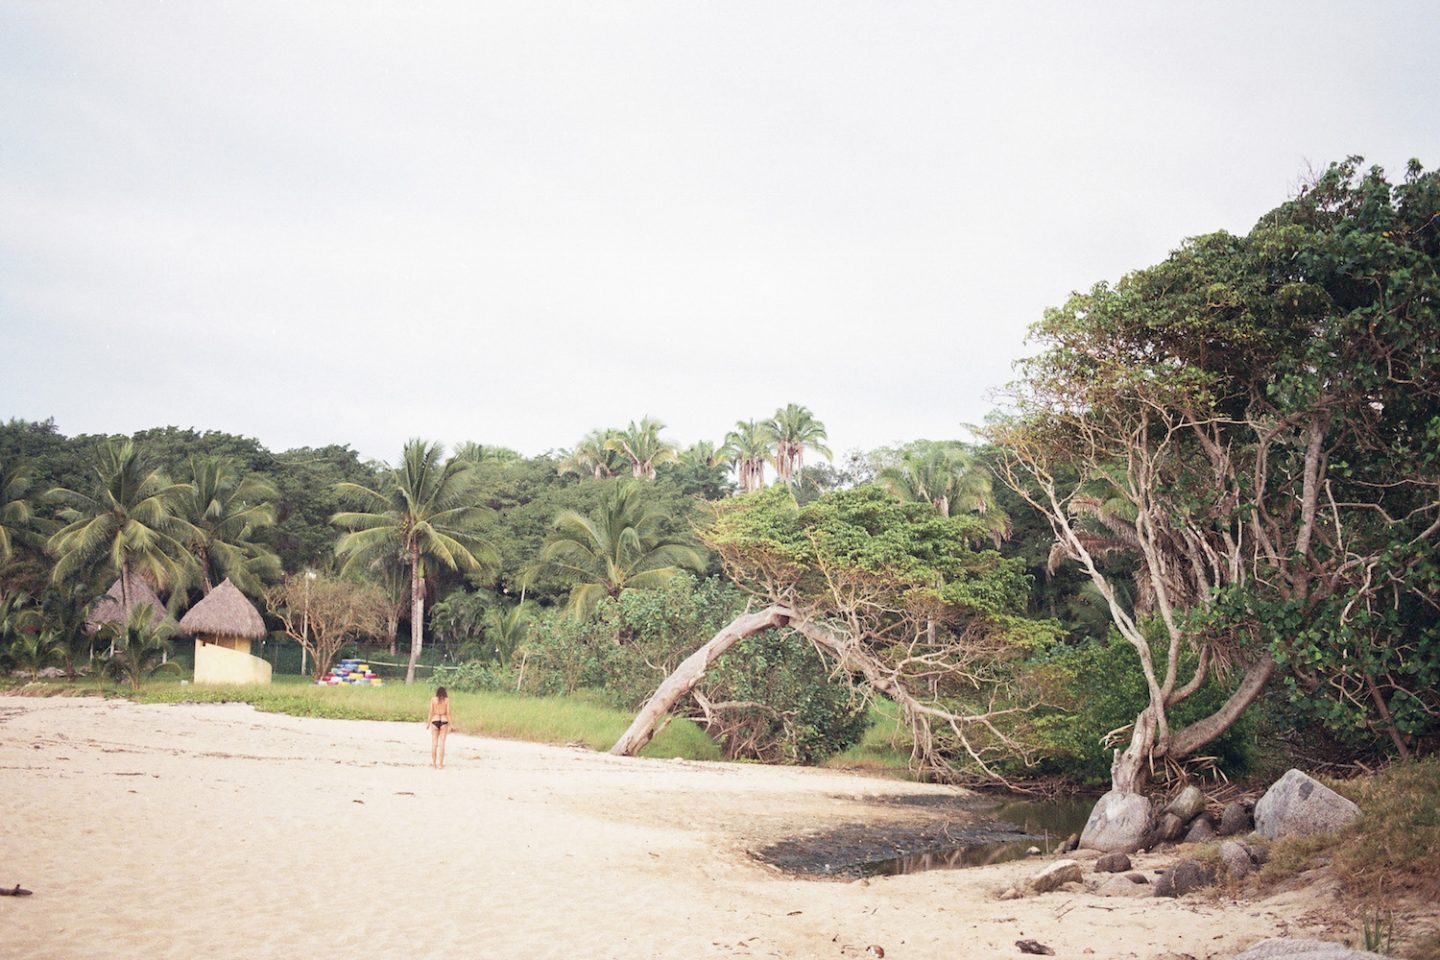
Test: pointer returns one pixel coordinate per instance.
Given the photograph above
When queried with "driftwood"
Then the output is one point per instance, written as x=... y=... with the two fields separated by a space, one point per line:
x=690 y=672
x=937 y=731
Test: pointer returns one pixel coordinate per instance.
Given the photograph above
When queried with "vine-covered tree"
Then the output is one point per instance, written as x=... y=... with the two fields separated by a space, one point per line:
x=426 y=511
x=864 y=578
x=1260 y=416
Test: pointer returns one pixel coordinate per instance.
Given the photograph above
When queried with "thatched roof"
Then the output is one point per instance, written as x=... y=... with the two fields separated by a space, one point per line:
x=223 y=613
x=109 y=609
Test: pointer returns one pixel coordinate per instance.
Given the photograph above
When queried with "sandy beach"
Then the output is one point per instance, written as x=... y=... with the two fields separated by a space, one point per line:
x=216 y=831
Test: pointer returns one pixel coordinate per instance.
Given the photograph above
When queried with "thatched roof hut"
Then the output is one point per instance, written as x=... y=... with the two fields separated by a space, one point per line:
x=223 y=613
x=111 y=608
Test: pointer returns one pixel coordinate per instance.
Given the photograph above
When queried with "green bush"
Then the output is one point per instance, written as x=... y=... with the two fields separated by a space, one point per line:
x=1099 y=687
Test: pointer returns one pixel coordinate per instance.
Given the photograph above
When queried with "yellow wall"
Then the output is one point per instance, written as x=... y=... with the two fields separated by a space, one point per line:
x=217 y=663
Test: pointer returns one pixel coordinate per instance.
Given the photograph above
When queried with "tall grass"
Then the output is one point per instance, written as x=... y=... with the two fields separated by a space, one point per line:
x=558 y=720
x=885 y=747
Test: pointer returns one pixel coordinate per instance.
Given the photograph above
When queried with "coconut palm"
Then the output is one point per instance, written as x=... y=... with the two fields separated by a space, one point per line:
x=505 y=629
x=479 y=453
x=17 y=514
x=33 y=651
x=140 y=647
x=425 y=511
x=130 y=523
x=621 y=547
x=642 y=445
x=224 y=509
x=946 y=476
x=18 y=619
x=593 y=457
x=793 y=430
x=63 y=610
x=748 y=447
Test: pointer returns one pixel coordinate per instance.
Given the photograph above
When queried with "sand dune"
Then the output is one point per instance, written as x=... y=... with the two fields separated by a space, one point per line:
x=216 y=831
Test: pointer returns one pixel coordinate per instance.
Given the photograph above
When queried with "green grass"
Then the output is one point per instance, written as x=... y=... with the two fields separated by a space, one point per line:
x=558 y=720
x=885 y=747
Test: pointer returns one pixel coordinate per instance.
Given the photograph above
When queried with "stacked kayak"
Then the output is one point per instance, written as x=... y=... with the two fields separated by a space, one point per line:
x=354 y=673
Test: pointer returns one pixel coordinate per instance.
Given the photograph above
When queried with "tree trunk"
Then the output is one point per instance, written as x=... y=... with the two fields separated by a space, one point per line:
x=691 y=672
x=417 y=613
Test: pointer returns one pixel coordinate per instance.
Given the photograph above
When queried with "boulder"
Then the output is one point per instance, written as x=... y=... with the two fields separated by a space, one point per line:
x=1061 y=871
x=1137 y=877
x=1121 y=886
x=1117 y=824
x=1112 y=863
x=1071 y=842
x=1298 y=805
x=1235 y=819
x=1182 y=878
x=1237 y=859
x=1201 y=829
x=1281 y=948
x=1188 y=805
x=1169 y=829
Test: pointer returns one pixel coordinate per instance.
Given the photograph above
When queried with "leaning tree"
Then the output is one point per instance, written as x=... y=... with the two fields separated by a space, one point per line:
x=898 y=601
x=1257 y=422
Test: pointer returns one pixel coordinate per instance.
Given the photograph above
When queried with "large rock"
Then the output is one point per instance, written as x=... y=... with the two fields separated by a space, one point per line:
x=1169 y=829
x=1188 y=804
x=1201 y=829
x=1282 y=949
x=1182 y=878
x=1298 y=805
x=1123 y=886
x=1235 y=819
x=1113 y=863
x=1117 y=824
x=1237 y=859
x=1061 y=871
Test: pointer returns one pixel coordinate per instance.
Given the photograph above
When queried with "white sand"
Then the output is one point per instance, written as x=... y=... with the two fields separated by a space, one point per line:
x=215 y=831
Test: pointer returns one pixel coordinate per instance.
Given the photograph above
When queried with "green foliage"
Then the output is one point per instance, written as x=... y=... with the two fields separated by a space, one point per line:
x=557 y=720
x=805 y=715
x=1097 y=688
x=621 y=546
x=140 y=648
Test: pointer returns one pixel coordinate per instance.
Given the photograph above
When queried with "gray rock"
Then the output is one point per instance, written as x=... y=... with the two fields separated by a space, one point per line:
x=1188 y=805
x=1119 y=886
x=1201 y=829
x=1237 y=859
x=1281 y=948
x=1137 y=878
x=1235 y=819
x=1169 y=829
x=1182 y=878
x=1112 y=863
x=1298 y=805
x=1071 y=842
x=1117 y=824
x=1061 y=871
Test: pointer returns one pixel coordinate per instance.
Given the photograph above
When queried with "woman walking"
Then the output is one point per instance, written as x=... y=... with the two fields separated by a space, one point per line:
x=439 y=724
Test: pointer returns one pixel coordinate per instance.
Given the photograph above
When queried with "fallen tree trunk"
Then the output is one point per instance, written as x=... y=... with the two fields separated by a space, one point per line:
x=690 y=672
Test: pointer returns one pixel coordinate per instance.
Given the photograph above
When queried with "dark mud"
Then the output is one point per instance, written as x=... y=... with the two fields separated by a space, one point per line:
x=964 y=831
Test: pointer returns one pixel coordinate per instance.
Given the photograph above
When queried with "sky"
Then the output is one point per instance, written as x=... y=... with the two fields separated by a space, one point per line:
x=513 y=223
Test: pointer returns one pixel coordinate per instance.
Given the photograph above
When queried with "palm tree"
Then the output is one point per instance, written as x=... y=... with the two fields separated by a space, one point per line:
x=621 y=547
x=33 y=651
x=643 y=447
x=946 y=476
x=748 y=447
x=792 y=430
x=592 y=456
x=140 y=647
x=425 y=511
x=63 y=608
x=16 y=512
x=130 y=522
x=18 y=619
x=478 y=453
x=224 y=511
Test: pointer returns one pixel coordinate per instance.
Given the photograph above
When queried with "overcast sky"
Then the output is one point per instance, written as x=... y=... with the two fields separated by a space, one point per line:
x=513 y=223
